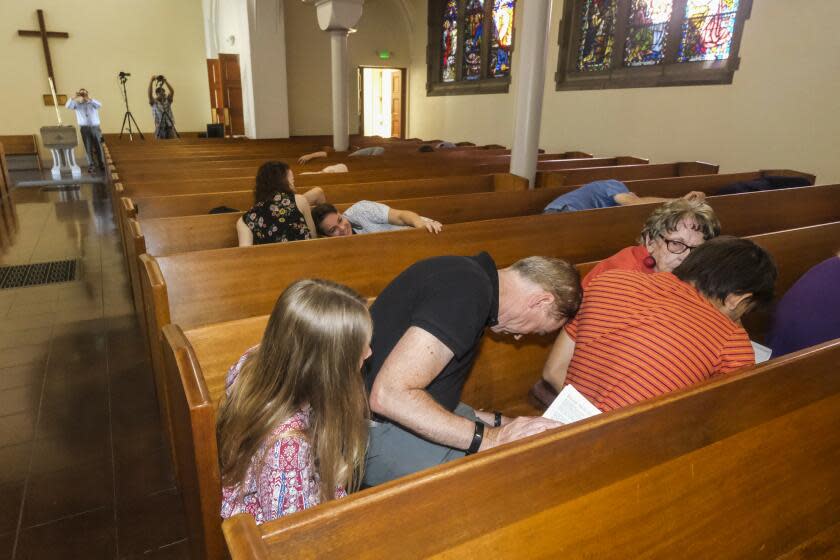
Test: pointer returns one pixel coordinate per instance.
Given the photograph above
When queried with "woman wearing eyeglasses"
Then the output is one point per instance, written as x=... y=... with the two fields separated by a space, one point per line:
x=670 y=233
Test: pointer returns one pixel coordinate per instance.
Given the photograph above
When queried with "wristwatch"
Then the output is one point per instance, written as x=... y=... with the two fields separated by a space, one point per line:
x=478 y=435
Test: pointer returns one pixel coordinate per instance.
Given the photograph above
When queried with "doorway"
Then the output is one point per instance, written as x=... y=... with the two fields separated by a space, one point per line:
x=382 y=101
x=225 y=83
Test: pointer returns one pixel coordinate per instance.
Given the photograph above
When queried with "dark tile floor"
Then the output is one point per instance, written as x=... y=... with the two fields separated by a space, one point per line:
x=84 y=472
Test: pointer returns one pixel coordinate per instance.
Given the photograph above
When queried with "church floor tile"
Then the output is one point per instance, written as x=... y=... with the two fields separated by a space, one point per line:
x=84 y=464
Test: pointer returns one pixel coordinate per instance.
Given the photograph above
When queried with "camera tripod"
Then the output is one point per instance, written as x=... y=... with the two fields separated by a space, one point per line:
x=128 y=119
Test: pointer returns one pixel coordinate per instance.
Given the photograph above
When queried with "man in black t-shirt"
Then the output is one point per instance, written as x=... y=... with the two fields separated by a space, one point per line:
x=427 y=325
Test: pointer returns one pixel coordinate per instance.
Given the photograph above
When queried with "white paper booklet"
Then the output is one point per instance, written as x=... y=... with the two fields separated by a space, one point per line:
x=762 y=353
x=570 y=406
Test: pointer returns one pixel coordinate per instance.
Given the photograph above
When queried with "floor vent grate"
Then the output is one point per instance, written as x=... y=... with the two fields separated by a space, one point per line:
x=38 y=274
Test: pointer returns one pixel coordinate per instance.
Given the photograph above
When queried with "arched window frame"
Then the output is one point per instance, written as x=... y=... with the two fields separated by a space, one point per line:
x=669 y=72
x=434 y=84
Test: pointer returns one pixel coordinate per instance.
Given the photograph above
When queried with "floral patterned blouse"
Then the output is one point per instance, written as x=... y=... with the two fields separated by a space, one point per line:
x=276 y=221
x=282 y=477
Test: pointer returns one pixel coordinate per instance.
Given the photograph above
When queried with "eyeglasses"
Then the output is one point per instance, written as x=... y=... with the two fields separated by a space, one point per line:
x=677 y=247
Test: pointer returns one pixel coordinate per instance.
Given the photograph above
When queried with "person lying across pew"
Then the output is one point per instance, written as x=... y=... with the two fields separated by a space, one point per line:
x=279 y=214
x=368 y=217
x=670 y=233
x=334 y=168
x=809 y=312
x=605 y=194
x=356 y=152
x=292 y=429
x=428 y=324
x=638 y=336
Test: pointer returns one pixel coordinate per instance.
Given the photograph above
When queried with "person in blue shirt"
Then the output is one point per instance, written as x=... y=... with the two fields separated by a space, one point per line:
x=604 y=194
x=87 y=115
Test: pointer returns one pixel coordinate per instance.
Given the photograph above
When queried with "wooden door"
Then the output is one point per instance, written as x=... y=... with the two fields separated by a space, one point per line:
x=396 y=104
x=216 y=98
x=231 y=87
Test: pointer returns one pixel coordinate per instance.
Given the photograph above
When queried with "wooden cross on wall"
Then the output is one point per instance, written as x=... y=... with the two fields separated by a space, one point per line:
x=45 y=35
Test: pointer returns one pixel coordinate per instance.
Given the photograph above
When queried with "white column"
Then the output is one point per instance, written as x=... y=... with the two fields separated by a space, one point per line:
x=340 y=102
x=338 y=17
x=529 y=86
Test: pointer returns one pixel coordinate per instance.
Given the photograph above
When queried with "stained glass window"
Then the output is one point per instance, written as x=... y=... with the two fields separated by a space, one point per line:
x=502 y=38
x=470 y=44
x=649 y=43
x=473 y=28
x=707 y=30
x=647 y=31
x=596 y=41
x=449 y=47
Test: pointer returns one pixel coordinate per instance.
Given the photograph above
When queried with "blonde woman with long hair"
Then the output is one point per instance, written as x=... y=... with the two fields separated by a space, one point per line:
x=292 y=430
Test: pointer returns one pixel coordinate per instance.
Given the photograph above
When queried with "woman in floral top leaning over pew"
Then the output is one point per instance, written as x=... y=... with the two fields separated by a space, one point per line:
x=292 y=430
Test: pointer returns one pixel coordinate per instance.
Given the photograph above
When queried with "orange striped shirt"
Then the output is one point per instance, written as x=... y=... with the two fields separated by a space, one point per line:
x=639 y=335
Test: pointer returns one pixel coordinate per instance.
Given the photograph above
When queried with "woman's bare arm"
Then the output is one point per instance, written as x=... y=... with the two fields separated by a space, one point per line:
x=244 y=233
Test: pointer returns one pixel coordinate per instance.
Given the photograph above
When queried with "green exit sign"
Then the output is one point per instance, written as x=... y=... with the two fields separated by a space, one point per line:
x=384 y=55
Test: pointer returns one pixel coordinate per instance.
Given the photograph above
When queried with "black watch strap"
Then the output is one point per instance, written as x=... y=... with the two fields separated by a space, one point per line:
x=497 y=419
x=478 y=435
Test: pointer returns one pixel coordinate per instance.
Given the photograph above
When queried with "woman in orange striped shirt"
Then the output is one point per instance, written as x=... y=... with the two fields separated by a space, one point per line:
x=638 y=335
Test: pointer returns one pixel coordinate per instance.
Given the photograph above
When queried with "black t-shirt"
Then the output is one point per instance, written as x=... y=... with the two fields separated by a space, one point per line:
x=452 y=298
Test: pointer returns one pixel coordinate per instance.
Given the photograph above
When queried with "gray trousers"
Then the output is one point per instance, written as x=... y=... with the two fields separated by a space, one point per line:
x=394 y=451
x=92 y=139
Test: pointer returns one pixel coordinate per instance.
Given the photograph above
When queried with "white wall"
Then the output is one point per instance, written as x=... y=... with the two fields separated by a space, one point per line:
x=382 y=27
x=255 y=30
x=267 y=34
x=782 y=111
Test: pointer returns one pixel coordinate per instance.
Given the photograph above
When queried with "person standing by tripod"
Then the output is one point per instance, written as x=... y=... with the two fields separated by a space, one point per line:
x=161 y=103
x=87 y=117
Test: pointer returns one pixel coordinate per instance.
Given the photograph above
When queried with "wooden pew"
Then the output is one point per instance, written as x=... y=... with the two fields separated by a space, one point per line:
x=191 y=291
x=411 y=188
x=215 y=180
x=249 y=161
x=393 y=157
x=348 y=187
x=22 y=145
x=382 y=190
x=8 y=213
x=197 y=360
x=167 y=236
x=200 y=204
x=379 y=190
x=721 y=470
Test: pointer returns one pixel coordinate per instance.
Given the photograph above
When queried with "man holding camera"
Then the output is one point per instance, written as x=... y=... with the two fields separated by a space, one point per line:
x=87 y=117
x=161 y=103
